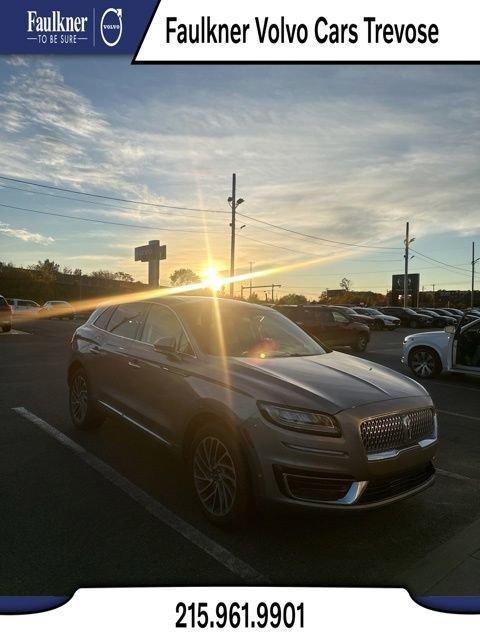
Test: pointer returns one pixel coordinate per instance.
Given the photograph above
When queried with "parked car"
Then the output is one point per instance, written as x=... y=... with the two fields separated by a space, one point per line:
x=5 y=315
x=438 y=320
x=58 y=309
x=408 y=317
x=331 y=326
x=455 y=312
x=256 y=409
x=380 y=320
x=454 y=350
x=446 y=313
x=18 y=305
x=354 y=315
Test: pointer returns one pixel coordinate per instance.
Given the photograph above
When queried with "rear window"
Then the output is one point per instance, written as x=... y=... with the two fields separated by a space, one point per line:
x=126 y=320
x=102 y=320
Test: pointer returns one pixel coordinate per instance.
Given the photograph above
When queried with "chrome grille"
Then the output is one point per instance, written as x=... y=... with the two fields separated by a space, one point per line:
x=396 y=431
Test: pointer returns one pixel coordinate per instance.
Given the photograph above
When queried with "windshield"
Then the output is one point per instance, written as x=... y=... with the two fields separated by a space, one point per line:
x=245 y=331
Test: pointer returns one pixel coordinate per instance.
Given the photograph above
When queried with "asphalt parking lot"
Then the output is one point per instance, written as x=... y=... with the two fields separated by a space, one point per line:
x=111 y=508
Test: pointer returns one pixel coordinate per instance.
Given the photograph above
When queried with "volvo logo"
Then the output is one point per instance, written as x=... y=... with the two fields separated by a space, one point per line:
x=111 y=26
x=407 y=428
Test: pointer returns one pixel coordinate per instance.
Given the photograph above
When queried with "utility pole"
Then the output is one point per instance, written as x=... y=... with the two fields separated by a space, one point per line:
x=251 y=264
x=407 y=242
x=474 y=262
x=433 y=295
x=234 y=203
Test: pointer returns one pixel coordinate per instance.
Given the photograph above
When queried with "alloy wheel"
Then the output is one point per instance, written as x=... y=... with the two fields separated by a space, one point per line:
x=79 y=398
x=214 y=476
x=423 y=363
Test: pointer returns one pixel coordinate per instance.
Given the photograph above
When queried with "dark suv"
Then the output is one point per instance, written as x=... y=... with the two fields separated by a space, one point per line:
x=5 y=315
x=254 y=407
x=408 y=317
x=332 y=327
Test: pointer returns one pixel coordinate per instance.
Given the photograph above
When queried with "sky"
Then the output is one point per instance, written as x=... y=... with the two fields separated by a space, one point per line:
x=344 y=153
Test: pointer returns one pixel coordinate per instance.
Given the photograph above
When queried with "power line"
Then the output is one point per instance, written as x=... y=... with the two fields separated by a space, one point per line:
x=449 y=266
x=307 y=235
x=97 y=220
x=82 y=200
x=117 y=199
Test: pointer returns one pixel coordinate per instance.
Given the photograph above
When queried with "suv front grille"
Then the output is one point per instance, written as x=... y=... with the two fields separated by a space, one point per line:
x=398 y=430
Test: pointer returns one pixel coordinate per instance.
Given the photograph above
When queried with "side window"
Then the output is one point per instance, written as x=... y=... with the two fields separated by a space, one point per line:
x=324 y=316
x=163 y=323
x=339 y=317
x=102 y=321
x=126 y=320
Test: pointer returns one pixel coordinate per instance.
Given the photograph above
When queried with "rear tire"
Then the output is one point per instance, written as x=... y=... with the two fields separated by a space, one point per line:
x=361 y=343
x=424 y=362
x=84 y=411
x=6 y=328
x=220 y=476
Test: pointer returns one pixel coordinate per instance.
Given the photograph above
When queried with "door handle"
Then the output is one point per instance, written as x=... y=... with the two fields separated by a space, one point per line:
x=134 y=364
x=95 y=350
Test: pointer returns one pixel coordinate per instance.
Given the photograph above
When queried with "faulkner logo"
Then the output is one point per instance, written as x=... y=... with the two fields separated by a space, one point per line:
x=56 y=28
x=111 y=26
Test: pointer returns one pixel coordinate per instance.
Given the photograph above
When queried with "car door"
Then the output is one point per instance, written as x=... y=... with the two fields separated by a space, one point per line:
x=466 y=347
x=163 y=391
x=115 y=367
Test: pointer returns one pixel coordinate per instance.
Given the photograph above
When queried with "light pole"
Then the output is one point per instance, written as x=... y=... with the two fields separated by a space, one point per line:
x=407 y=243
x=234 y=203
x=474 y=262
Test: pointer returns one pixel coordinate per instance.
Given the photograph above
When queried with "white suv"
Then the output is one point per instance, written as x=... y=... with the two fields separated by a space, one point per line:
x=455 y=350
x=19 y=305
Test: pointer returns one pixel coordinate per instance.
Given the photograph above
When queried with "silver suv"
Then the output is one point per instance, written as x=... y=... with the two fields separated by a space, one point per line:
x=258 y=409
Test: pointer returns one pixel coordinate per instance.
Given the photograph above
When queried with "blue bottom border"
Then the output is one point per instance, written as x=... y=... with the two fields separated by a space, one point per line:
x=450 y=604
x=30 y=604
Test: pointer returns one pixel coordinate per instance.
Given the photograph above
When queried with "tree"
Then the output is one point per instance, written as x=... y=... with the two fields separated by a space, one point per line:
x=125 y=277
x=345 y=284
x=46 y=267
x=183 y=276
x=293 y=298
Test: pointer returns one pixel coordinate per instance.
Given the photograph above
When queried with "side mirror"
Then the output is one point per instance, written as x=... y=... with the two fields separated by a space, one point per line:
x=450 y=328
x=165 y=345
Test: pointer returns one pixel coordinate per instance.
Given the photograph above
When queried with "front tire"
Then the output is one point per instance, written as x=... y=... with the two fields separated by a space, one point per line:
x=84 y=411
x=6 y=328
x=413 y=324
x=424 y=362
x=220 y=477
x=379 y=326
x=360 y=343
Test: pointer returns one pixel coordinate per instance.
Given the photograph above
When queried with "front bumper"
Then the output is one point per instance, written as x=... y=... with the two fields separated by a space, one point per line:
x=327 y=472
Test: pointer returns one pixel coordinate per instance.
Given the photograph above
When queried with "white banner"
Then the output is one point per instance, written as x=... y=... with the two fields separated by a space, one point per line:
x=126 y=614
x=306 y=31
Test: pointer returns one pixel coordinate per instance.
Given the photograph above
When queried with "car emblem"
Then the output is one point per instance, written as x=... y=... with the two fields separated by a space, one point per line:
x=407 y=428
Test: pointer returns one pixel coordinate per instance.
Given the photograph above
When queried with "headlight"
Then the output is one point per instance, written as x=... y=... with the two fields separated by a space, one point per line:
x=300 y=420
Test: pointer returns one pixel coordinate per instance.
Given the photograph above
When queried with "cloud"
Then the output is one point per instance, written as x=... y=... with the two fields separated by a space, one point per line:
x=16 y=61
x=23 y=234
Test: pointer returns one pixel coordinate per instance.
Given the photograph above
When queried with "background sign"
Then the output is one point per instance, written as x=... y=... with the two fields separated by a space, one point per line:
x=413 y=284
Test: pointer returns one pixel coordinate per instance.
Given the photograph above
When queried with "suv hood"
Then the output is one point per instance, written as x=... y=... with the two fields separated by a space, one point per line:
x=331 y=382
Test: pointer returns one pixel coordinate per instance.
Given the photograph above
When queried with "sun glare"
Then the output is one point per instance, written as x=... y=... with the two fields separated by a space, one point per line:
x=212 y=279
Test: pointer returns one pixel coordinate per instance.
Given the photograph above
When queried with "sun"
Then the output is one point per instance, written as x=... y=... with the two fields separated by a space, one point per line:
x=212 y=279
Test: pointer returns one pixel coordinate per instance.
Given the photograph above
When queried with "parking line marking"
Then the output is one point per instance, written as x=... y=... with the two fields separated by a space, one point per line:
x=159 y=511
x=459 y=415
